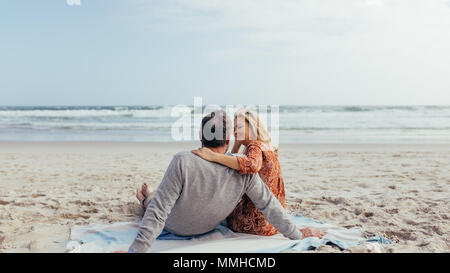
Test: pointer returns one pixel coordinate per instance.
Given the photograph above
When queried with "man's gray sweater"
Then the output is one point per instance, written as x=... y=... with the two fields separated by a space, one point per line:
x=196 y=195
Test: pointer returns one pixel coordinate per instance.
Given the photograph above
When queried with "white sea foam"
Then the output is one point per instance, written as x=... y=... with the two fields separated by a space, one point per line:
x=297 y=123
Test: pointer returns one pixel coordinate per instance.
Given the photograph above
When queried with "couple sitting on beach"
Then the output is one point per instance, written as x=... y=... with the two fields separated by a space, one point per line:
x=201 y=188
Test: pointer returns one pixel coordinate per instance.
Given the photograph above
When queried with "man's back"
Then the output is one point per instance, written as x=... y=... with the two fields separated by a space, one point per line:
x=210 y=192
x=196 y=195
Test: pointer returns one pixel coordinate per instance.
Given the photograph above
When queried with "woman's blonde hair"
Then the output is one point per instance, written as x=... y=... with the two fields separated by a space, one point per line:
x=256 y=126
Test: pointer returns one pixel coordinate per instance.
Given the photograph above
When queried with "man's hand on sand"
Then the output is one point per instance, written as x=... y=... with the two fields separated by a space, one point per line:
x=312 y=232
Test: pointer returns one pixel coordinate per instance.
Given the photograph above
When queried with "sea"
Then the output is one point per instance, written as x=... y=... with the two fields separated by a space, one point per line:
x=288 y=124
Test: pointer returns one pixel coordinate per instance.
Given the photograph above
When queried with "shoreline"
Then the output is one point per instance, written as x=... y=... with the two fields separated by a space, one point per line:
x=12 y=146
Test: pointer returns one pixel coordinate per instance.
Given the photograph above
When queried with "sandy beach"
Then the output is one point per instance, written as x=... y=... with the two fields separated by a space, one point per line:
x=401 y=192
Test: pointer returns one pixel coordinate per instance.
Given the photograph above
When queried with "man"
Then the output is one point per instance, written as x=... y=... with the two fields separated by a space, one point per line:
x=196 y=195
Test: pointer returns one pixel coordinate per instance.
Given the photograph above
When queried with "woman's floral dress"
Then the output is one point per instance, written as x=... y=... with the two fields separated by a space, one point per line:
x=246 y=217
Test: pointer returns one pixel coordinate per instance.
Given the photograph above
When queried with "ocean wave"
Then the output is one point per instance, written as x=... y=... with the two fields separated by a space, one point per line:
x=356 y=108
x=59 y=108
x=287 y=128
x=88 y=126
x=85 y=113
x=72 y=112
x=378 y=122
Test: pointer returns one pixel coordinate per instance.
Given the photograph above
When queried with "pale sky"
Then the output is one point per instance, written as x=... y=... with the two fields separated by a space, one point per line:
x=307 y=52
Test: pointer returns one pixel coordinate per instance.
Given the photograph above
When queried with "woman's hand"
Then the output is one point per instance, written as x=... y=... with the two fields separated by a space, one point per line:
x=312 y=232
x=205 y=153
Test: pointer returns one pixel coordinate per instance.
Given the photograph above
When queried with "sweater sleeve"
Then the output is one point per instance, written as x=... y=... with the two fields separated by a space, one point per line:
x=271 y=208
x=159 y=207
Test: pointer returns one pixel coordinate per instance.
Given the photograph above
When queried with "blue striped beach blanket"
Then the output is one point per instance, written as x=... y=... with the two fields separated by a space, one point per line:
x=118 y=236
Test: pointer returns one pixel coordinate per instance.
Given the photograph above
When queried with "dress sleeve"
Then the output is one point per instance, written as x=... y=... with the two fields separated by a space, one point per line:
x=252 y=162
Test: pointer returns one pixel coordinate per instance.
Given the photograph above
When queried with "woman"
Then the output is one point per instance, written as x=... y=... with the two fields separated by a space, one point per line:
x=260 y=157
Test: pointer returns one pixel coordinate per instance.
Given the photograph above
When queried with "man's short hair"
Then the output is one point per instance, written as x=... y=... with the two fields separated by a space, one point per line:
x=216 y=129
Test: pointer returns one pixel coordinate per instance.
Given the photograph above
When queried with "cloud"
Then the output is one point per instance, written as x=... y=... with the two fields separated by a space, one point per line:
x=375 y=2
x=250 y=15
x=258 y=26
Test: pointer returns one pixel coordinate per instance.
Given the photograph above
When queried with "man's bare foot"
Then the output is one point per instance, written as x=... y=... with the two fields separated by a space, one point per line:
x=140 y=196
x=143 y=193
x=146 y=190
